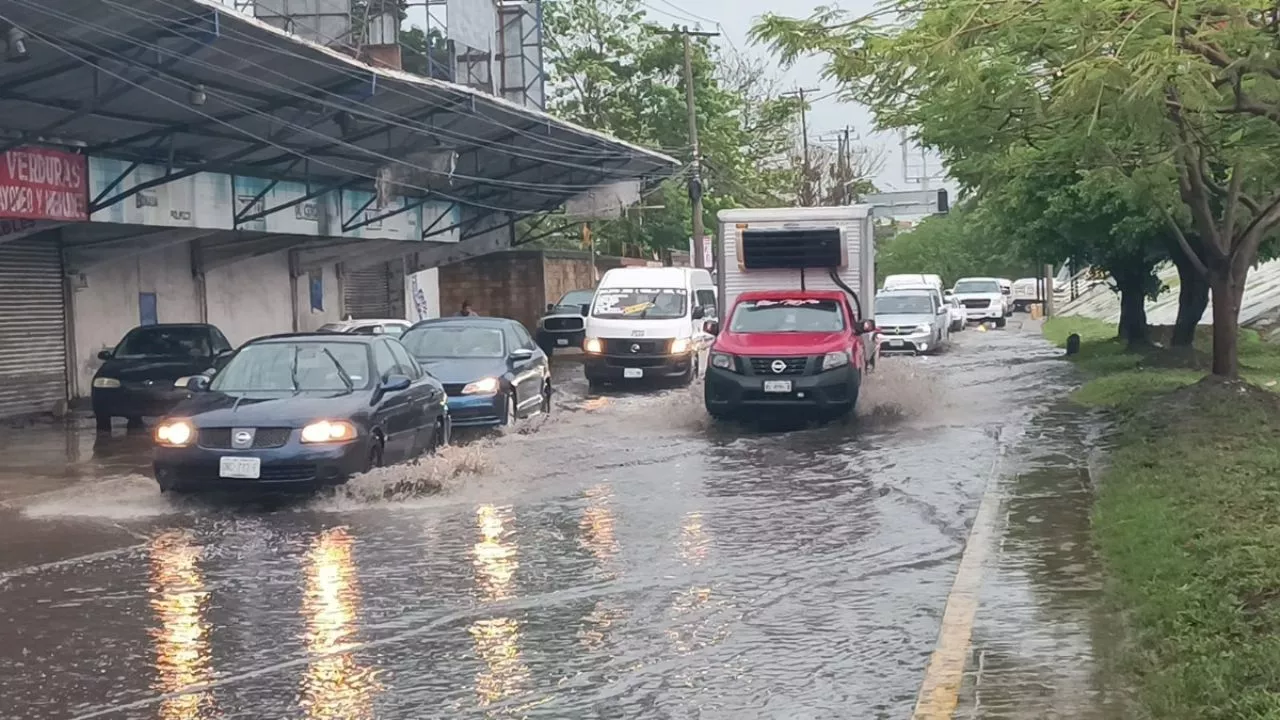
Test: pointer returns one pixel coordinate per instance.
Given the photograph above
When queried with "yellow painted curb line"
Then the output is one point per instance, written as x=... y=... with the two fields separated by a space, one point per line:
x=940 y=691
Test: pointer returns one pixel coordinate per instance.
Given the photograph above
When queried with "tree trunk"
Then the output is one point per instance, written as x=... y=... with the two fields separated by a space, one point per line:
x=1227 y=286
x=1133 y=305
x=1193 y=298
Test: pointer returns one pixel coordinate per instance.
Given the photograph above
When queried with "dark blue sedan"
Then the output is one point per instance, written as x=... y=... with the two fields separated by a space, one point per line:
x=301 y=411
x=491 y=368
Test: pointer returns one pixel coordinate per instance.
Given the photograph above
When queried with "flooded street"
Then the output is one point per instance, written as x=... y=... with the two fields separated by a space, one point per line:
x=623 y=558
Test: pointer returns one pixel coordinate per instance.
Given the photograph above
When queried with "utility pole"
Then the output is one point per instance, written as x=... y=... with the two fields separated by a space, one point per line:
x=695 y=176
x=806 y=198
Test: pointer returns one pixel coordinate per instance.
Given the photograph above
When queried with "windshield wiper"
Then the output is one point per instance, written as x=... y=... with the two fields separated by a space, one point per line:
x=293 y=370
x=653 y=302
x=342 y=373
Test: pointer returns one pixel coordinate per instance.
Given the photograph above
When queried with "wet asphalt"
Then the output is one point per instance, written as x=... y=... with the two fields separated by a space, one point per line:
x=622 y=558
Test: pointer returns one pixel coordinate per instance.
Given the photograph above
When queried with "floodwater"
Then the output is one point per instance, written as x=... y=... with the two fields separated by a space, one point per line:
x=622 y=558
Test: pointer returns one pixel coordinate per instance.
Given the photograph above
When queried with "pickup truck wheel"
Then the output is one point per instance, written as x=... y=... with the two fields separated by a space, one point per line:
x=1000 y=322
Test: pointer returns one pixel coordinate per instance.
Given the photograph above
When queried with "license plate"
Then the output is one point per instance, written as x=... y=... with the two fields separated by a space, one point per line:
x=777 y=386
x=240 y=468
x=895 y=343
x=632 y=373
x=562 y=341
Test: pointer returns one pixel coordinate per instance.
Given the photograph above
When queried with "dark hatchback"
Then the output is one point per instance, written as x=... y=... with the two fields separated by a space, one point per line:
x=137 y=377
x=491 y=368
x=301 y=411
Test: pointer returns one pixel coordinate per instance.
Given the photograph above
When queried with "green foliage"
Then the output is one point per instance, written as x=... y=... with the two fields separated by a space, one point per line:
x=954 y=246
x=609 y=68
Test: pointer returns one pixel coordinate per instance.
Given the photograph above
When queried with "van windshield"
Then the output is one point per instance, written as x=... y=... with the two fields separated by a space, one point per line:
x=769 y=316
x=640 y=303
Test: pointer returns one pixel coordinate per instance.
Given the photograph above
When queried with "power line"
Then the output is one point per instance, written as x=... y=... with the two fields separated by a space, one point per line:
x=806 y=187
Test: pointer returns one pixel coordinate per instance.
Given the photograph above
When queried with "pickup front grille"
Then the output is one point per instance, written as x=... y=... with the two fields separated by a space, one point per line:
x=562 y=324
x=263 y=438
x=790 y=365
x=976 y=304
x=898 y=330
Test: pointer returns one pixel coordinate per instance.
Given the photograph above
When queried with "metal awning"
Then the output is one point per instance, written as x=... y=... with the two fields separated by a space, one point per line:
x=197 y=87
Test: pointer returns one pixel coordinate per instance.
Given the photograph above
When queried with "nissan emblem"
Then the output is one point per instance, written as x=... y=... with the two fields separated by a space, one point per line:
x=635 y=348
x=778 y=366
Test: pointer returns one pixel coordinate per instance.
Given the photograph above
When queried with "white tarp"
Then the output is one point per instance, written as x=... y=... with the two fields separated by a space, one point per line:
x=473 y=23
x=605 y=202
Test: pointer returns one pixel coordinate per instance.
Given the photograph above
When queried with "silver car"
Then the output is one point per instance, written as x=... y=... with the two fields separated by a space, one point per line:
x=911 y=321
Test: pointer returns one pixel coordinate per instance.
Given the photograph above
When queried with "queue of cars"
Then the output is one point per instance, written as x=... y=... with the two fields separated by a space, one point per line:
x=307 y=410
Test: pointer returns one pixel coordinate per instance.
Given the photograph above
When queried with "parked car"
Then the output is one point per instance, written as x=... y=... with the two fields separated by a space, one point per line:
x=911 y=321
x=939 y=299
x=136 y=379
x=956 y=311
x=394 y=328
x=1026 y=292
x=787 y=349
x=301 y=411
x=647 y=324
x=492 y=370
x=982 y=298
x=563 y=325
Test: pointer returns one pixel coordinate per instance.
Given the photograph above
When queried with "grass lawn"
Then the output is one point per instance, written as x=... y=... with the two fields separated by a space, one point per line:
x=1187 y=520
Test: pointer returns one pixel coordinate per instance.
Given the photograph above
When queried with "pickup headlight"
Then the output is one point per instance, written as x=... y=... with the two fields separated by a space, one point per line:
x=106 y=382
x=723 y=361
x=174 y=433
x=924 y=328
x=327 y=431
x=486 y=386
x=680 y=346
x=593 y=346
x=833 y=360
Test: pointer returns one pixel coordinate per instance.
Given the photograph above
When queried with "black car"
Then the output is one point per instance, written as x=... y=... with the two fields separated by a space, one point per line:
x=137 y=378
x=301 y=410
x=563 y=326
x=491 y=368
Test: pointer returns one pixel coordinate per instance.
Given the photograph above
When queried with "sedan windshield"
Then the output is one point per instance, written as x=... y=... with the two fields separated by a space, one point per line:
x=903 y=305
x=454 y=341
x=977 y=286
x=640 y=303
x=765 y=316
x=159 y=341
x=296 y=367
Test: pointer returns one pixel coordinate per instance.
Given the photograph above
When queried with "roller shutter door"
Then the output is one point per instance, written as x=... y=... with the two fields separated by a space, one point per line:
x=376 y=292
x=33 y=351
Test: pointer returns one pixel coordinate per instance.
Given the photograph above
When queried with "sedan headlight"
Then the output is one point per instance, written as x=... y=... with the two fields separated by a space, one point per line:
x=680 y=346
x=924 y=328
x=833 y=360
x=174 y=433
x=593 y=346
x=106 y=382
x=722 y=361
x=327 y=431
x=486 y=386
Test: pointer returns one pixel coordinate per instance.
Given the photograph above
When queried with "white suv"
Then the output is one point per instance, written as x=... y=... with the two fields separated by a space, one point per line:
x=983 y=299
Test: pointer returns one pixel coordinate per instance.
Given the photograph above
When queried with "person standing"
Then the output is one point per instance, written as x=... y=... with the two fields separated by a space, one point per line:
x=467 y=311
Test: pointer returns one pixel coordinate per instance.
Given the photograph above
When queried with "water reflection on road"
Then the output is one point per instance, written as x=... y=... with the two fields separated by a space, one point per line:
x=627 y=559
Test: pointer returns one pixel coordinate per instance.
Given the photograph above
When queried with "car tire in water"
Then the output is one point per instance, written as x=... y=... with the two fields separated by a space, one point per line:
x=1000 y=322
x=103 y=423
x=375 y=455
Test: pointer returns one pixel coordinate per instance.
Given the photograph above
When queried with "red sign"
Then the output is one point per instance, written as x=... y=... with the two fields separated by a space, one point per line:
x=44 y=184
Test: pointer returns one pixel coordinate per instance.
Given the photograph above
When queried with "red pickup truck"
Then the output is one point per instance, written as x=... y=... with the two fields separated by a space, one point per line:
x=787 y=349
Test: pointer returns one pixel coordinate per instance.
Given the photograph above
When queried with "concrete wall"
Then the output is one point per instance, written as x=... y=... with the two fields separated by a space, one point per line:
x=505 y=284
x=251 y=297
x=104 y=303
x=562 y=273
x=331 y=300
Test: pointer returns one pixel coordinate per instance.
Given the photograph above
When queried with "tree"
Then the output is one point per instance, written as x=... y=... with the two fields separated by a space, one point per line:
x=1188 y=90
x=612 y=70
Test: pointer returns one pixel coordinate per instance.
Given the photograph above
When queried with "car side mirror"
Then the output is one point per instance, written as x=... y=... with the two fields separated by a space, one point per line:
x=521 y=354
x=866 y=326
x=711 y=327
x=395 y=383
x=586 y=310
x=699 y=312
x=551 y=307
x=194 y=383
x=104 y=354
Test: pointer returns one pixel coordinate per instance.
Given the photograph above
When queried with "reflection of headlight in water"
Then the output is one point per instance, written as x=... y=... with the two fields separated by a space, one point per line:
x=497 y=642
x=597 y=524
x=493 y=557
x=178 y=598
x=335 y=686
x=693 y=539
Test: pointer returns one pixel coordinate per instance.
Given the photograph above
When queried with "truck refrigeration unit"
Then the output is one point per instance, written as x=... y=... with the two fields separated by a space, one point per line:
x=796 y=291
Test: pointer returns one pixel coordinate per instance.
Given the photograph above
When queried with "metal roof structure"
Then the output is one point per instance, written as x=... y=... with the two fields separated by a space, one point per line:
x=197 y=87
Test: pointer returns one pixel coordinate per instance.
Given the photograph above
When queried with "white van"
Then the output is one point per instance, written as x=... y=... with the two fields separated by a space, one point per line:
x=647 y=324
x=902 y=282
